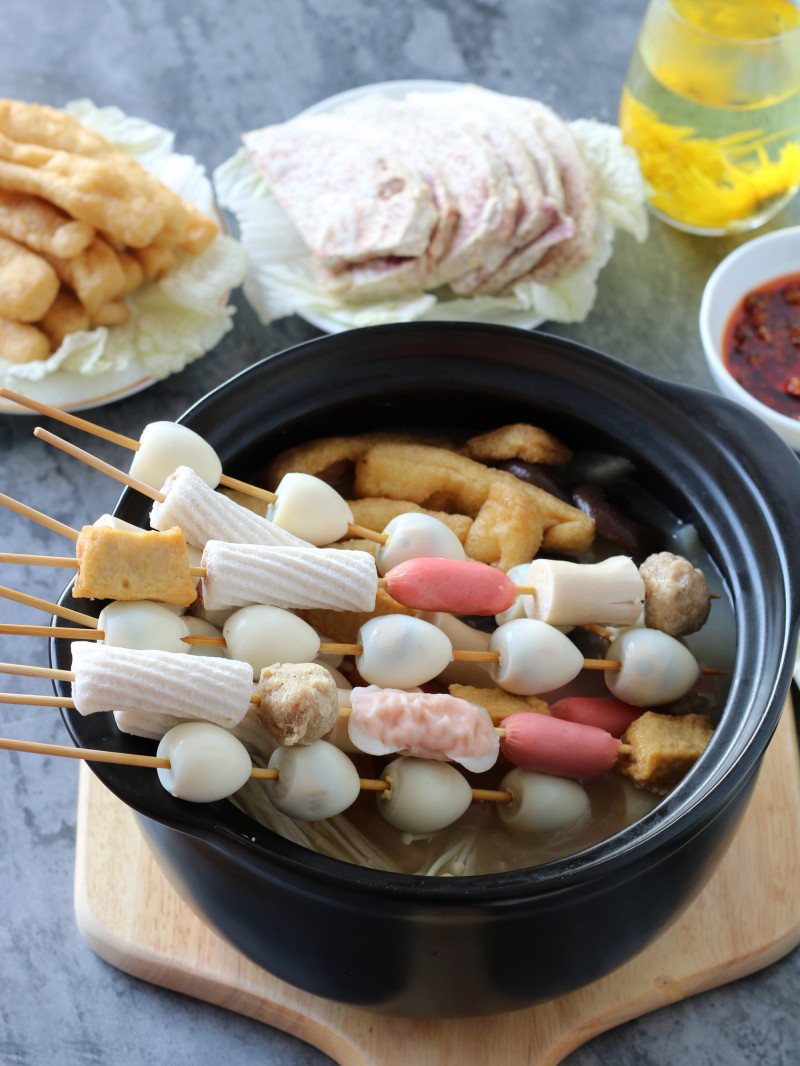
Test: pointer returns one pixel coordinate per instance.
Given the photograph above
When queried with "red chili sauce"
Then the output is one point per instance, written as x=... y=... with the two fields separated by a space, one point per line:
x=761 y=348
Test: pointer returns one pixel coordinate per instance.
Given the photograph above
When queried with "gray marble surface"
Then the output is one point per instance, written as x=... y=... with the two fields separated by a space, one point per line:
x=210 y=70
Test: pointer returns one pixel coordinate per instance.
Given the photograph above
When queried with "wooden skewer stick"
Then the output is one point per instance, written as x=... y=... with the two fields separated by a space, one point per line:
x=46 y=605
x=66 y=562
x=155 y=494
x=460 y=655
x=119 y=438
x=37 y=516
x=124 y=758
x=10 y=629
x=354 y=529
x=119 y=475
x=154 y=761
x=23 y=670
x=98 y=464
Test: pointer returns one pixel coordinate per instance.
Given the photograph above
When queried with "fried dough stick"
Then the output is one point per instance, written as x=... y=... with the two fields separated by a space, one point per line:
x=28 y=285
x=41 y=227
x=91 y=190
x=22 y=343
x=66 y=315
x=50 y=128
x=95 y=276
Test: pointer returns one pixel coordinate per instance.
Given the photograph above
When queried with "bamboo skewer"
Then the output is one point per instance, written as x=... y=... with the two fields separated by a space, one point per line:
x=66 y=562
x=98 y=464
x=155 y=762
x=52 y=608
x=37 y=516
x=353 y=529
x=11 y=629
x=459 y=654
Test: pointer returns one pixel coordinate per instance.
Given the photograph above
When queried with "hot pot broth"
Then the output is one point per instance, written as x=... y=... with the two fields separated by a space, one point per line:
x=479 y=842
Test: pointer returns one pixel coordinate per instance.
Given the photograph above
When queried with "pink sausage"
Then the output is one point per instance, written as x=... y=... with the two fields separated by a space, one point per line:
x=552 y=746
x=424 y=725
x=457 y=586
x=604 y=712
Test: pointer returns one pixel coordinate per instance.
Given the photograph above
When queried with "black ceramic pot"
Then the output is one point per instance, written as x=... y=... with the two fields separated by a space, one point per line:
x=477 y=945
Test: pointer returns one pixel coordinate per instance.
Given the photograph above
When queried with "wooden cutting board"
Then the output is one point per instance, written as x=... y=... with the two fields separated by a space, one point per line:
x=132 y=918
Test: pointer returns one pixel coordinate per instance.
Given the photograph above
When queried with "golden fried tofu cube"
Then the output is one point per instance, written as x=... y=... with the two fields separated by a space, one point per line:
x=499 y=703
x=66 y=315
x=200 y=231
x=95 y=276
x=664 y=748
x=21 y=342
x=518 y=441
x=28 y=285
x=123 y=564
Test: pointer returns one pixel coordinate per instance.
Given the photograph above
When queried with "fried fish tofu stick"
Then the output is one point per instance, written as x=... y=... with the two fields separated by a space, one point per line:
x=154 y=261
x=200 y=231
x=498 y=702
x=91 y=190
x=22 y=343
x=518 y=441
x=95 y=276
x=65 y=315
x=114 y=313
x=28 y=285
x=444 y=480
x=51 y=128
x=41 y=227
x=31 y=123
x=317 y=456
x=375 y=513
x=120 y=564
x=133 y=271
x=509 y=528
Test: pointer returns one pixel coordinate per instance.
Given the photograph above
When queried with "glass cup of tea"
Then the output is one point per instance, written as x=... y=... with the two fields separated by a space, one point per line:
x=711 y=105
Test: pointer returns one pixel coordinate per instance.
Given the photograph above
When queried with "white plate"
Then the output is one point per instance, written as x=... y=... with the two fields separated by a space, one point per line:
x=74 y=391
x=398 y=90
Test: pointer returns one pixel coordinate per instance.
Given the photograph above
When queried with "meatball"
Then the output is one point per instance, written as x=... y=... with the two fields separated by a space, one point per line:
x=299 y=702
x=676 y=595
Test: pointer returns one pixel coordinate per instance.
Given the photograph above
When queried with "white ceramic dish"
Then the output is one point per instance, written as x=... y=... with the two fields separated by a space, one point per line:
x=126 y=369
x=398 y=90
x=281 y=284
x=752 y=265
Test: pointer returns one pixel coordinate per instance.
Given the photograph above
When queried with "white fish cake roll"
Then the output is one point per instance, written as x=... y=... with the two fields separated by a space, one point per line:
x=187 y=686
x=204 y=514
x=238 y=575
x=150 y=725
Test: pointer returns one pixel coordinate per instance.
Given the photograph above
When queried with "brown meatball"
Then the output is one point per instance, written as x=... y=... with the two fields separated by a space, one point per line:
x=676 y=595
x=299 y=702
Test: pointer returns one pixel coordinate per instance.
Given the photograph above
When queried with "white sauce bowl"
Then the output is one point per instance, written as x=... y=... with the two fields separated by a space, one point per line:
x=749 y=267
